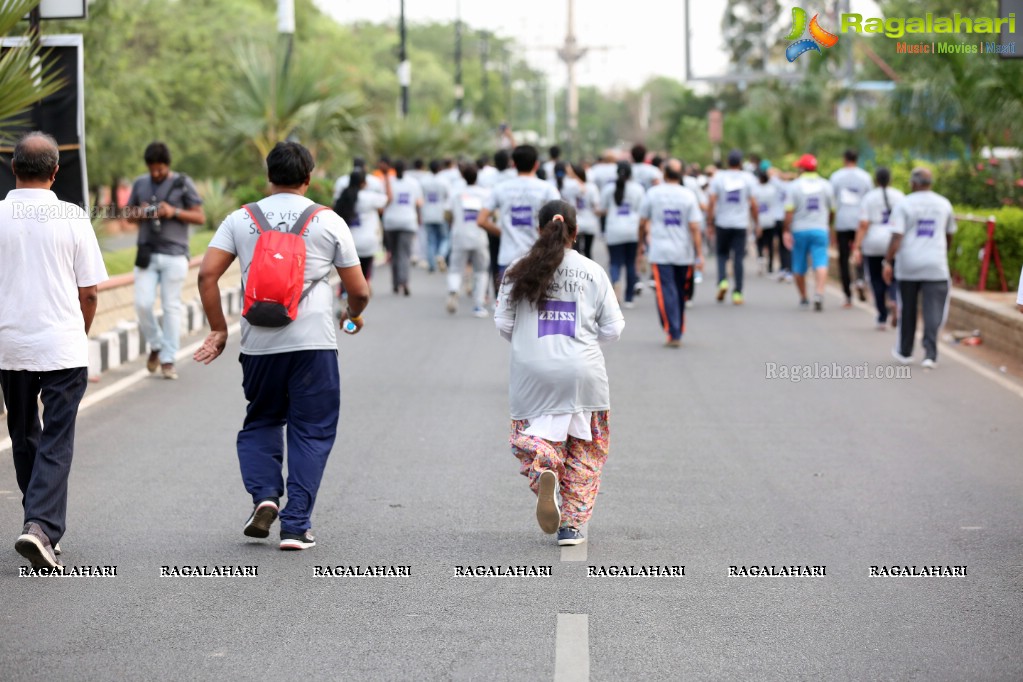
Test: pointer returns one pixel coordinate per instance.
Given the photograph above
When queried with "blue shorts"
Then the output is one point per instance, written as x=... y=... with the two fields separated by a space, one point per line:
x=811 y=244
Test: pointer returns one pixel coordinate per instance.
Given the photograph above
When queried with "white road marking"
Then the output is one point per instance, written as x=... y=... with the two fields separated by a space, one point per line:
x=971 y=527
x=130 y=380
x=947 y=351
x=572 y=648
x=577 y=552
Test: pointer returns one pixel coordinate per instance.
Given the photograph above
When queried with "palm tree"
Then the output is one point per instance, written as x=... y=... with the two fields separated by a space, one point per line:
x=272 y=102
x=27 y=75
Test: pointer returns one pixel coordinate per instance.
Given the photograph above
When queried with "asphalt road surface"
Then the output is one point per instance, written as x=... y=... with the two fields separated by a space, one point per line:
x=713 y=464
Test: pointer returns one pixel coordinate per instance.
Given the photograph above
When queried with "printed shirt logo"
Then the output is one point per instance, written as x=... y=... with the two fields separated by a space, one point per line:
x=278 y=256
x=672 y=217
x=522 y=216
x=818 y=36
x=469 y=215
x=556 y=318
x=885 y=216
x=925 y=228
x=624 y=209
x=403 y=198
x=733 y=196
x=355 y=221
x=580 y=203
x=763 y=207
x=432 y=197
x=813 y=203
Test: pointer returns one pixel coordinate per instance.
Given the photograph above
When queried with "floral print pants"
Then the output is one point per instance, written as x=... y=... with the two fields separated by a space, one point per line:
x=577 y=464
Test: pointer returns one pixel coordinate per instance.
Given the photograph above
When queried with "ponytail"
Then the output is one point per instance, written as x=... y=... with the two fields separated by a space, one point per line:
x=559 y=174
x=345 y=206
x=624 y=173
x=883 y=176
x=533 y=274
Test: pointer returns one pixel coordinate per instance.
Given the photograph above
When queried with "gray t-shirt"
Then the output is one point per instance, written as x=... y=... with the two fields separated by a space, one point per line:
x=622 y=224
x=811 y=200
x=328 y=245
x=768 y=200
x=557 y=366
x=671 y=210
x=401 y=215
x=517 y=202
x=923 y=219
x=436 y=193
x=647 y=174
x=465 y=207
x=732 y=189
x=877 y=213
x=170 y=237
x=850 y=185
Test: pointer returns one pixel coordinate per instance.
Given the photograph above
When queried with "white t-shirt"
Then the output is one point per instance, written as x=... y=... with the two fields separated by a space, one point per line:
x=647 y=174
x=874 y=211
x=586 y=202
x=436 y=193
x=671 y=209
x=767 y=198
x=732 y=190
x=328 y=244
x=811 y=200
x=48 y=250
x=465 y=207
x=557 y=366
x=850 y=185
x=923 y=219
x=517 y=202
x=622 y=224
x=366 y=226
x=400 y=214
x=487 y=176
x=372 y=182
x=602 y=173
x=782 y=188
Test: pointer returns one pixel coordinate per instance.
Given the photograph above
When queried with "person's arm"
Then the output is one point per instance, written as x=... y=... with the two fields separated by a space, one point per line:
x=484 y=220
x=358 y=295
x=861 y=233
x=893 y=248
x=88 y=299
x=214 y=264
x=694 y=230
x=786 y=228
x=754 y=213
x=644 y=232
x=195 y=215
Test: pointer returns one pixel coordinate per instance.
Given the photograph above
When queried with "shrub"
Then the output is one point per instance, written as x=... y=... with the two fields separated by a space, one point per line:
x=218 y=202
x=968 y=244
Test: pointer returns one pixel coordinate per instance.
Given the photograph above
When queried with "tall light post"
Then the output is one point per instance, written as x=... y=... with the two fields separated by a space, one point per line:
x=286 y=29
x=404 y=68
x=459 y=89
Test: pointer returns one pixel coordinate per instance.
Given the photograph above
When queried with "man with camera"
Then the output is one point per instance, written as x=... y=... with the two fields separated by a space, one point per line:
x=165 y=204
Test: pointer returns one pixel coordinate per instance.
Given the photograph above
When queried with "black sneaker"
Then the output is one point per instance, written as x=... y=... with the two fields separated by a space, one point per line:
x=35 y=546
x=293 y=541
x=569 y=536
x=818 y=303
x=263 y=516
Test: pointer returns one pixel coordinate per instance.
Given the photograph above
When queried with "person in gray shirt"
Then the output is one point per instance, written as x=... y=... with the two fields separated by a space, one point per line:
x=849 y=184
x=922 y=227
x=165 y=204
x=732 y=210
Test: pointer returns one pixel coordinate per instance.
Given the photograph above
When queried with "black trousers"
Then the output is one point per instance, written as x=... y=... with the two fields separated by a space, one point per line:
x=584 y=244
x=784 y=255
x=766 y=243
x=929 y=297
x=43 y=451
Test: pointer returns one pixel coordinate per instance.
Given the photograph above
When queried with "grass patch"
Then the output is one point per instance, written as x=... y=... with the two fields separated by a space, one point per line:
x=123 y=260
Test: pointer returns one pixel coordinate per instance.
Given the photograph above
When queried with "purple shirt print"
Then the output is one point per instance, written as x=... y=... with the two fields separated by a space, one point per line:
x=925 y=228
x=403 y=198
x=470 y=215
x=432 y=197
x=813 y=203
x=521 y=216
x=556 y=318
x=672 y=218
x=734 y=196
x=623 y=209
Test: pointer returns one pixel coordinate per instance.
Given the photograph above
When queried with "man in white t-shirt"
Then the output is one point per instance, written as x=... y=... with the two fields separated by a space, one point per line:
x=922 y=227
x=50 y=266
x=289 y=373
x=732 y=210
x=850 y=185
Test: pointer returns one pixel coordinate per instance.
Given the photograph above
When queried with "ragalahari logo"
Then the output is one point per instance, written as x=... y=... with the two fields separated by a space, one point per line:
x=818 y=36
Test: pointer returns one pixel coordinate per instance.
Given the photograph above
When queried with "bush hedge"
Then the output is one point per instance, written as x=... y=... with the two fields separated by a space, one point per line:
x=966 y=254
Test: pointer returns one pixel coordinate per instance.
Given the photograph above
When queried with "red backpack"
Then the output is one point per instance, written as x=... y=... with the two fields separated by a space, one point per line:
x=273 y=288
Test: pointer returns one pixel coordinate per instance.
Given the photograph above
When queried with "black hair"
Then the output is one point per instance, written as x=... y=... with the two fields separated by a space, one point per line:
x=435 y=166
x=851 y=155
x=524 y=157
x=417 y=164
x=624 y=173
x=554 y=152
x=638 y=153
x=671 y=172
x=33 y=161
x=399 y=168
x=289 y=164
x=580 y=172
x=482 y=161
x=469 y=173
x=657 y=161
x=559 y=174
x=762 y=176
x=533 y=274
x=501 y=159
x=156 y=152
x=358 y=162
x=883 y=176
x=345 y=206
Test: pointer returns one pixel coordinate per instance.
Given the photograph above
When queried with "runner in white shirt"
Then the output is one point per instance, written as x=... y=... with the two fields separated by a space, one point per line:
x=372 y=182
x=849 y=184
x=360 y=207
x=922 y=227
x=732 y=209
x=401 y=221
x=620 y=203
x=644 y=173
x=586 y=203
x=670 y=215
x=468 y=242
x=517 y=203
x=436 y=196
x=780 y=180
x=766 y=194
x=872 y=240
x=554 y=156
x=556 y=307
x=809 y=207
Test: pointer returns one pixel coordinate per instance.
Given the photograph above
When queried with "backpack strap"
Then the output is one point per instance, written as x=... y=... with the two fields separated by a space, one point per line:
x=300 y=225
x=256 y=213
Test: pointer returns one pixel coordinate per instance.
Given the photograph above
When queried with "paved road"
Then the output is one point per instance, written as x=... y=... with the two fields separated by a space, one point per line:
x=712 y=465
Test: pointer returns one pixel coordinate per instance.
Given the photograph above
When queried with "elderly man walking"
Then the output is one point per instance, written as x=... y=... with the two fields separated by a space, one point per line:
x=50 y=266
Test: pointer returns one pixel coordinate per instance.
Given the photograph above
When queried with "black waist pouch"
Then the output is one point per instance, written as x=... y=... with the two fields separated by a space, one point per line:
x=143 y=256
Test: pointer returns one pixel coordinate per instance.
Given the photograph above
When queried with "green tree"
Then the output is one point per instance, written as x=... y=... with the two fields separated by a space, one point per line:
x=27 y=75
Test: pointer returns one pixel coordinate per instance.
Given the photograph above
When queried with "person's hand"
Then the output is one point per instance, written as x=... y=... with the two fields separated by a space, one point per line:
x=211 y=348
x=759 y=232
x=886 y=273
x=699 y=264
x=788 y=240
x=357 y=321
x=165 y=210
x=857 y=257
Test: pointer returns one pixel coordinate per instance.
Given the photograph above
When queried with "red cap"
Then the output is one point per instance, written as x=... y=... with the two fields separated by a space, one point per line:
x=807 y=162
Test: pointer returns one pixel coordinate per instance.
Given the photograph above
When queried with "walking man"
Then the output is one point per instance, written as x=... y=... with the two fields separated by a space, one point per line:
x=289 y=373
x=922 y=226
x=809 y=209
x=850 y=185
x=732 y=209
x=168 y=203
x=50 y=266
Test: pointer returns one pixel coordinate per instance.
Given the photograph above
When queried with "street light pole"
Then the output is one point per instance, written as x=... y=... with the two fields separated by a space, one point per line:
x=404 y=68
x=459 y=90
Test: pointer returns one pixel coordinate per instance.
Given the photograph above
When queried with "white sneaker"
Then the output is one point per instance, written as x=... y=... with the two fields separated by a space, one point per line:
x=929 y=364
x=480 y=312
x=901 y=359
x=452 y=305
x=629 y=305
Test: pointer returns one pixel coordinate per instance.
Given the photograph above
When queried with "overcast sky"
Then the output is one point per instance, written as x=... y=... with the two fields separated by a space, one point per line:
x=645 y=37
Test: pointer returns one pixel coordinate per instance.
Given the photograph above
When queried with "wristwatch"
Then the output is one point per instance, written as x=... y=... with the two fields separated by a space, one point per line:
x=353 y=318
x=177 y=212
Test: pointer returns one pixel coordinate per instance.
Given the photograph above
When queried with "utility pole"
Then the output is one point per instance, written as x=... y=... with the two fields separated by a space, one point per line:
x=286 y=29
x=484 y=57
x=404 y=68
x=459 y=89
